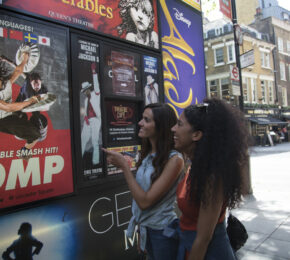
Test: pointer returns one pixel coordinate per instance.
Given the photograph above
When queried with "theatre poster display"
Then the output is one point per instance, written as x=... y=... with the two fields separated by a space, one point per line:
x=121 y=122
x=121 y=72
x=130 y=153
x=85 y=67
x=135 y=21
x=151 y=86
x=183 y=54
x=34 y=132
x=89 y=226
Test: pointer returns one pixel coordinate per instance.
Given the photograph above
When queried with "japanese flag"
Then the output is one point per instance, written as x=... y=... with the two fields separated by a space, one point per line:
x=44 y=40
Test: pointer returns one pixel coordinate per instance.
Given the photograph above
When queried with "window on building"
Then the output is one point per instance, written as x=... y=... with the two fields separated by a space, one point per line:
x=246 y=89
x=231 y=53
x=219 y=56
x=225 y=88
x=219 y=31
x=263 y=92
x=254 y=90
x=284 y=97
x=282 y=71
x=265 y=59
x=285 y=16
x=280 y=44
x=271 y=92
x=288 y=47
x=213 y=88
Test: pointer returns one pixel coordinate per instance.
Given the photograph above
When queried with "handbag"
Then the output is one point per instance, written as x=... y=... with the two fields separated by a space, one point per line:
x=237 y=232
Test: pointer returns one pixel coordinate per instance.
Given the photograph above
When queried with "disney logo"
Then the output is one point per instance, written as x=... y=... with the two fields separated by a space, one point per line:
x=179 y=16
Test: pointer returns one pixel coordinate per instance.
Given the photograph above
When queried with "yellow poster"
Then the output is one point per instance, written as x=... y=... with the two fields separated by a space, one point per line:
x=194 y=3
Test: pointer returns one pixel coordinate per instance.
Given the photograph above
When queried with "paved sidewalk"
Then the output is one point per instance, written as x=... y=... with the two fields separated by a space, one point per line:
x=266 y=212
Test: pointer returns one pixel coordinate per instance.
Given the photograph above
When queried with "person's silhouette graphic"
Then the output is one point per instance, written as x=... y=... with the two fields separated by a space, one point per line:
x=25 y=246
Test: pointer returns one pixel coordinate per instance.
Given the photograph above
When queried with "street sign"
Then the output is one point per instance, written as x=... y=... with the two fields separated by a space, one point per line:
x=226 y=8
x=247 y=59
x=239 y=34
x=235 y=80
x=236 y=91
x=234 y=71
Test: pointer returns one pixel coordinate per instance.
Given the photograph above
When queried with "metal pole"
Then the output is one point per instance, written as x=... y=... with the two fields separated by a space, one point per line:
x=237 y=50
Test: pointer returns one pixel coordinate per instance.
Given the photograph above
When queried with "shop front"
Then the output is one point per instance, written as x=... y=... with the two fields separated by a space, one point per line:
x=265 y=126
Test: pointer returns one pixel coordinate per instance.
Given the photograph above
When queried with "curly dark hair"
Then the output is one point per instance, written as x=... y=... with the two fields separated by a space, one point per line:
x=164 y=118
x=221 y=155
x=127 y=24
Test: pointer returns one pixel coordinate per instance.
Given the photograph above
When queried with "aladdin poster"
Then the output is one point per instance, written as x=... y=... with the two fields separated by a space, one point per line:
x=135 y=21
x=35 y=153
x=183 y=55
x=86 y=85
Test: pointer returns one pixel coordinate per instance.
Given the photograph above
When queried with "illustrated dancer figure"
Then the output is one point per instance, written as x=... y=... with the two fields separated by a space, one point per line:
x=33 y=87
x=10 y=122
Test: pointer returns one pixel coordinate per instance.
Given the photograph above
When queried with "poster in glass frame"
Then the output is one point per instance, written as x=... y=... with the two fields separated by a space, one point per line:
x=150 y=80
x=87 y=89
x=35 y=137
x=121 y=72
x=135 y=21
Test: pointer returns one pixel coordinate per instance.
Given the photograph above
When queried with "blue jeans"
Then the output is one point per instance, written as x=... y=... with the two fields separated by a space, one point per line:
x=219 y=247
x=159 y=246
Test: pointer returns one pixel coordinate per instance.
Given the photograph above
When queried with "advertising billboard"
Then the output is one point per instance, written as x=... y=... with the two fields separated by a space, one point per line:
x=35 y=153
x=89 y=226
x=135 y=20
x=121 y=72
x=150 y=79
x=183 y=55
x=87 y=90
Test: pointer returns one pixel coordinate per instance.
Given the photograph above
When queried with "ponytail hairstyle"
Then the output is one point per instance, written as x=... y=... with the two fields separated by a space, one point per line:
x=164 y=118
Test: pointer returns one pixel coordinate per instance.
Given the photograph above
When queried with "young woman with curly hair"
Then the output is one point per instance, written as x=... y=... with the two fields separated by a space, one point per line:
x=138 y=22
x=214 y=137
x=154 y=189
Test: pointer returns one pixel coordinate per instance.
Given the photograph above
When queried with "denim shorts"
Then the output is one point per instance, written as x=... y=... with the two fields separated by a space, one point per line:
x=160 y=246
x=219 y=247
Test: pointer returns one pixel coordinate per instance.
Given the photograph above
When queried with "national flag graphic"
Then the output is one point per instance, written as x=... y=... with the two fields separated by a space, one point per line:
x=3 y=32
x=30 y=37
x=16 y=35
x=44 y=40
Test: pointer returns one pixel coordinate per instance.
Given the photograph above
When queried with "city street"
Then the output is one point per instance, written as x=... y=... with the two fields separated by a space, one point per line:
x=266 y=212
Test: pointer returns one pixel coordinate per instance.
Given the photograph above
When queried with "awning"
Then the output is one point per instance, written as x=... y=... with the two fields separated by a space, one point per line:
x=286 y=116
x=267 y=121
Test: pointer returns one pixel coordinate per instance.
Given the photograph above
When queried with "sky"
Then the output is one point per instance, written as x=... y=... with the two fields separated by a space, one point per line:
x=211 y=8
x=285 y=4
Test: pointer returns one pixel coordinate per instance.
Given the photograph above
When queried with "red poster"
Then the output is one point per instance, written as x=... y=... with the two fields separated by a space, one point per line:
x=123 y=74
x=226 y=8
x=134 y=20
x=35 y=152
